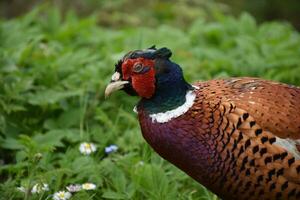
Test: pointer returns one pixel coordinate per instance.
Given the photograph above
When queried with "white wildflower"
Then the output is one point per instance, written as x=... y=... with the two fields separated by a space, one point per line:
x=38 y=188
x=111 y=149
x=87 y=148
x=62 y=195
x=74 y=188
x=88 y=186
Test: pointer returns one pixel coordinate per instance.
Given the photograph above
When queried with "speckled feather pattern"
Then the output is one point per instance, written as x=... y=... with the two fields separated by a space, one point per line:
x=227 y=139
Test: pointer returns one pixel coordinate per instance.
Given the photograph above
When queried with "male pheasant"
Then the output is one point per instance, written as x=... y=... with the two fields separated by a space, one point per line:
x=239 y=137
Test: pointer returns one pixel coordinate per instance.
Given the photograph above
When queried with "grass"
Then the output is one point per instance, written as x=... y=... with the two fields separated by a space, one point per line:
x=53 y=71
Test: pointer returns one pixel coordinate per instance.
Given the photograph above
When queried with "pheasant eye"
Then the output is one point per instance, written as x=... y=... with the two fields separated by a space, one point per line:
x=138 y=67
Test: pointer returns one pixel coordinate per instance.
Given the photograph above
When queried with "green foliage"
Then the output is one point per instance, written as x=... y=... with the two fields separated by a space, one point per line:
x=53 y=71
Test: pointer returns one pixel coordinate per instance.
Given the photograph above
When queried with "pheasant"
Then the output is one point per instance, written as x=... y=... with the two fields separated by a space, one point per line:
x=239 y=137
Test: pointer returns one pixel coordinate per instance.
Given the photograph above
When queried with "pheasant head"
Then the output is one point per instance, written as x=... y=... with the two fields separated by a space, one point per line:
x=151 y=75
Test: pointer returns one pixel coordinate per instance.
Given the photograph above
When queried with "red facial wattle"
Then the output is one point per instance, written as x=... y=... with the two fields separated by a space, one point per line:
x=142 y=83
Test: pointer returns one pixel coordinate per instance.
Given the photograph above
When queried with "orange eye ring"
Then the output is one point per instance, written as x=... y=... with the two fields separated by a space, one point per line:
x=138 y=67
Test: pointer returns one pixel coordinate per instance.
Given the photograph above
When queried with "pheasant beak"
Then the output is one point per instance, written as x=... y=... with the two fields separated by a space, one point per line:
x=115 y=84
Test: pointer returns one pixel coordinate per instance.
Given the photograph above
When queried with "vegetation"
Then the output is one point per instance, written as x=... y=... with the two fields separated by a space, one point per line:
x=53 y=71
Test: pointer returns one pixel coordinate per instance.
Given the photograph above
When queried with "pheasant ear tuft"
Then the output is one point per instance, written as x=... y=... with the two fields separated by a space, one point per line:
x=152 y=47
x=163 y=53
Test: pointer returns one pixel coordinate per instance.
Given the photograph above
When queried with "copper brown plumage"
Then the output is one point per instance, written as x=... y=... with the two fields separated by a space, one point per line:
x=239 y=138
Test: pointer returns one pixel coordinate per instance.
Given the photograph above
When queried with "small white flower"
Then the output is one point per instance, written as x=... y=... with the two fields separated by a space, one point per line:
x=38 y=188
x=74 y=188
x=88 y=186
x=87 y=148
x=62 y=195
x=21 y=189
x=110 y=149
x=141 y=163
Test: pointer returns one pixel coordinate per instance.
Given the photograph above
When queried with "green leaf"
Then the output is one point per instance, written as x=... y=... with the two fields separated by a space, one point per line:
x=11 y=143
x=52 y=138
x=50 y=96
x=112 y=195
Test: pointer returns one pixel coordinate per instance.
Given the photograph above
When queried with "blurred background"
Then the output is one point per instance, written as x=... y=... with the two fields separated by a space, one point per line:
x=56 y=58
x=121 y=12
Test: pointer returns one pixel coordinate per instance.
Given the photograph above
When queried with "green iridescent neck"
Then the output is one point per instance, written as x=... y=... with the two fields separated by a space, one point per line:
x=165 y=99
x=170 y=90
